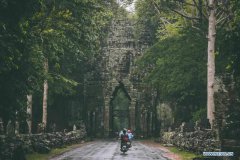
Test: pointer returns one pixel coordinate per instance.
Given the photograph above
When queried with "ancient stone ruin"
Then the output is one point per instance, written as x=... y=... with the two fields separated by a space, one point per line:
x=118 y=61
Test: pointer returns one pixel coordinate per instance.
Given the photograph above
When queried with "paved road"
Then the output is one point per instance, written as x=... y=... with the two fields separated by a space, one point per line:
x=110 y=150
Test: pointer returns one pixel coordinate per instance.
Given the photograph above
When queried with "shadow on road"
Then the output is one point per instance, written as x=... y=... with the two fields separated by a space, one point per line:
x=123 y=154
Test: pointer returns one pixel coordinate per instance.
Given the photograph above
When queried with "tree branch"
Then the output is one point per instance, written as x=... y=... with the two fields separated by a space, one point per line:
x=200 y=9
x=223 y=19
x=223 y=23
x=158 y=10
x=184 y=15
x=156 y=6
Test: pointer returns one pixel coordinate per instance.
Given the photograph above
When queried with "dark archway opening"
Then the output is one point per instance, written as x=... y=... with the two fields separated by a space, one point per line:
x=119 y=110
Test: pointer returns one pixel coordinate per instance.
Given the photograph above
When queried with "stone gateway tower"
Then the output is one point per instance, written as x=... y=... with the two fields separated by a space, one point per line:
x=119 y=55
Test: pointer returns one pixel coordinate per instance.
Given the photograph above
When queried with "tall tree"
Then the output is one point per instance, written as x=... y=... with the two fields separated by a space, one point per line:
x=211 y=61
x=45 y=96
x=29 y=113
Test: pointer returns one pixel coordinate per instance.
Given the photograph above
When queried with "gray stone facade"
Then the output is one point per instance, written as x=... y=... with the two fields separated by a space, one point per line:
x=119 y=56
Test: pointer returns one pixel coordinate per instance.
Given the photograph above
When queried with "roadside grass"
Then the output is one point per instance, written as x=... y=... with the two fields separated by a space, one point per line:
x=52 y=153
x=185 y=155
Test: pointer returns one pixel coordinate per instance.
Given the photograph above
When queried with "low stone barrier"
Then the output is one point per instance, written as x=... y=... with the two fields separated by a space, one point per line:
x=196 y=141
x=15 y=148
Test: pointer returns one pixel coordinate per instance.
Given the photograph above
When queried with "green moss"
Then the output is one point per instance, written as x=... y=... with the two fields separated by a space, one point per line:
x=37 y=156
x=185 y=155
x=53 y=152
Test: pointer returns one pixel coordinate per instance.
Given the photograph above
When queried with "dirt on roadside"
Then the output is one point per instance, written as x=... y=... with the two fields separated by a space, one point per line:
x=168 y=153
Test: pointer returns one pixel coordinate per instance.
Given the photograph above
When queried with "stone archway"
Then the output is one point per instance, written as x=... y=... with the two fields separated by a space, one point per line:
x=119 y=110
x=110 y=112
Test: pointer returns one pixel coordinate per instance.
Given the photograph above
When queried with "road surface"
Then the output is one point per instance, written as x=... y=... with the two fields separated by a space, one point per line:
x=110 y=150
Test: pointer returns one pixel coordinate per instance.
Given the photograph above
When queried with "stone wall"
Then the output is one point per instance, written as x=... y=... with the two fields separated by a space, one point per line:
x=196 y=141
x=15 y=148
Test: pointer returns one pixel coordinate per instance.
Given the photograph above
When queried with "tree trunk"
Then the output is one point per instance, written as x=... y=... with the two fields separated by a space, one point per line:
x=29 y=113
x=45 y=94
x=156 y=119
x=211 y=61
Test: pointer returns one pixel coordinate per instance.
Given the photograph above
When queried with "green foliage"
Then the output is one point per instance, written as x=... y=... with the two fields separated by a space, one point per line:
x=67 y=33
x=147 y=21
x=228 y=61
x=175 y=67
x=200 y=114
x=16 y=64
x=176 y=63
x=228 y=42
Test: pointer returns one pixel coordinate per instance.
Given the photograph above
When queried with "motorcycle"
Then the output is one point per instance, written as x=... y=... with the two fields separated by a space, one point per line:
x=126 y=144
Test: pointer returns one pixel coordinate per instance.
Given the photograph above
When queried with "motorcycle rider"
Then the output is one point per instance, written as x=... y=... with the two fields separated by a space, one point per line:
x=130 y=136
x=124 y=137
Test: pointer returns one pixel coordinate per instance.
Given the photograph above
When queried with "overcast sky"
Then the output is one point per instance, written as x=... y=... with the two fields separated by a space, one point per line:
x=129 y=8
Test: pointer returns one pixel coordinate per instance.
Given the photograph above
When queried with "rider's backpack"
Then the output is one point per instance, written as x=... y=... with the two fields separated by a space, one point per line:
x=125 y=137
